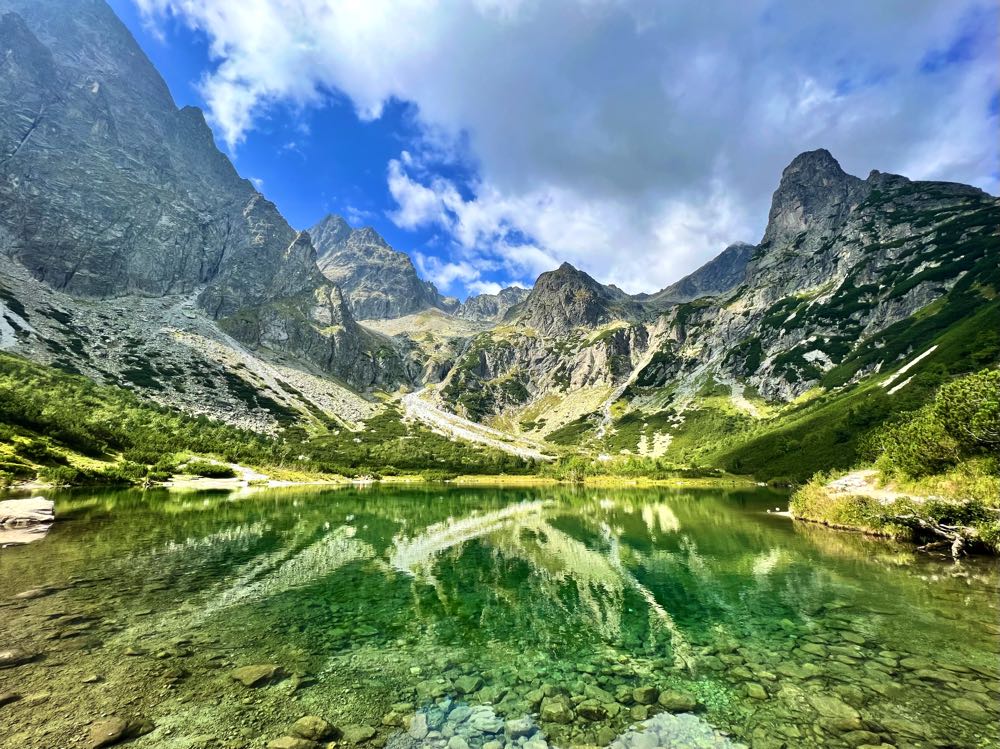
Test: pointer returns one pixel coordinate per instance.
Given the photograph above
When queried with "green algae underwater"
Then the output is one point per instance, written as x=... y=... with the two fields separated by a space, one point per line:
x=481 y=617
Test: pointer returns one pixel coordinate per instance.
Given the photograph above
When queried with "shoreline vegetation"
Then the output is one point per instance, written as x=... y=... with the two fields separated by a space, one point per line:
x=934 y=477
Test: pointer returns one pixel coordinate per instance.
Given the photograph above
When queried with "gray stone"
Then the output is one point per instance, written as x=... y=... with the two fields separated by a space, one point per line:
x=518 y=728
x=418 y=726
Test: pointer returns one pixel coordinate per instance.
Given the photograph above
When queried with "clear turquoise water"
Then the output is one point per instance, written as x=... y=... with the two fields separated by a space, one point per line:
x=449 y=611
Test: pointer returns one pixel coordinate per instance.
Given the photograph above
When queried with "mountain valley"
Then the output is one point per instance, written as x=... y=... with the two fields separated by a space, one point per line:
x=147 y=263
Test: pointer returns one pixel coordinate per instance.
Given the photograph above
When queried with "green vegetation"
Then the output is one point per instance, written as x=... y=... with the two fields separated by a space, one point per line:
x=208 y=469
x=961 y=422
x=902 y=518
x=950 y=448
x=576 y=468
x=66 y=429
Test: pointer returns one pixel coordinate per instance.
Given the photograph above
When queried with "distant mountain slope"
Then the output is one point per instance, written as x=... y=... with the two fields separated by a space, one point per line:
x=107 y=189
x=722 y=273
x=492 y=307
x=379 y=282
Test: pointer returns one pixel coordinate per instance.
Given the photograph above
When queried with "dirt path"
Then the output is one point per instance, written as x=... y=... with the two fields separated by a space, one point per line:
x=864 y=483
x=419 y=406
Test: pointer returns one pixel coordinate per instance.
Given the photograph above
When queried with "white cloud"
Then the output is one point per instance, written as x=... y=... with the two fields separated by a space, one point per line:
x=632 y=137
x=483 y=287
x=258 y=183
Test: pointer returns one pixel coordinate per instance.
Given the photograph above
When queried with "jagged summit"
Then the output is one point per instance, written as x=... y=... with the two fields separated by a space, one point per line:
x=814 y=191
x=378 y=281
x=567 y=298
x=722 y=273
x=492 y=307
x=331 y=230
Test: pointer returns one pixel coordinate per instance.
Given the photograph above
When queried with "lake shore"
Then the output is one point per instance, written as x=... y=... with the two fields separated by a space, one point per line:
x=859 y=502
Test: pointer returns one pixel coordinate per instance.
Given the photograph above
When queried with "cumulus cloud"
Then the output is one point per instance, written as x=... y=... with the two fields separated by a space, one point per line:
x=635 y=138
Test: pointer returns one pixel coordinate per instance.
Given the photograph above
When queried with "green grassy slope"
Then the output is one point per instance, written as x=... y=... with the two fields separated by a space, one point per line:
x=67 y=429
x=828 y=432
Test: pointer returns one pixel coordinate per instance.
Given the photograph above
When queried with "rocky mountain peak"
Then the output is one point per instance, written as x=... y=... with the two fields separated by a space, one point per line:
x=492 y=307
x=331 y=230
x=378 y=282
x=721 y=274
x=567 y=298
x=814 y=192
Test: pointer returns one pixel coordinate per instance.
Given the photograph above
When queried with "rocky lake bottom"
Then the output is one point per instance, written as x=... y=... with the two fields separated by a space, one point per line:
x=486 y=619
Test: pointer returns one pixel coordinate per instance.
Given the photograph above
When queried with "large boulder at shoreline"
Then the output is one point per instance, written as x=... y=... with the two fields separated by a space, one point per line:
x=17 y=513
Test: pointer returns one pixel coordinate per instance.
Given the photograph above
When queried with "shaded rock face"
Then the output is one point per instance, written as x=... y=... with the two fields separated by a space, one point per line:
x=719 y=275
x=491 y=307
x=814 y=194
x=107 y=189
x=378 y=282
x=567 y=298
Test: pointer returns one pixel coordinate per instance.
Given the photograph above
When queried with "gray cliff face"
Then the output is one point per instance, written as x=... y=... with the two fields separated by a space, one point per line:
x=567 y=298
x=814 y=196
x=378 y=282
x=107 y=189
x=491 y=307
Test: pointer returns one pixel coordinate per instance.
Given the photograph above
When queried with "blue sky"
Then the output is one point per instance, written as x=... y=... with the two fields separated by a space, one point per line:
x=494 y=139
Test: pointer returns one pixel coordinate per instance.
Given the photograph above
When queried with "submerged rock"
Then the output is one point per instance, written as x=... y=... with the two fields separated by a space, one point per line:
x=258 y=675
x=107 y=731
x=678 y=702
x=835 y=714
x=313 y=728
x=7 y=697
x=519 y=727
x=113 y=729
x=468 y=684
x=291 y=742
x=645 y=695
x=10 y=657
x=358 y=734
x=555 y=710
